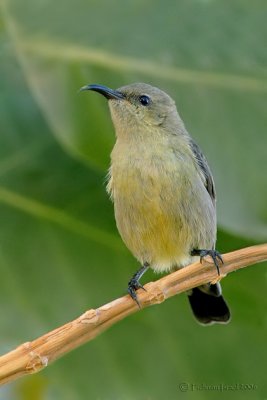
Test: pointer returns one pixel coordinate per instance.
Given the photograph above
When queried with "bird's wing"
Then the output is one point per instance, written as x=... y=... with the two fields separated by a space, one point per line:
x=203 y=164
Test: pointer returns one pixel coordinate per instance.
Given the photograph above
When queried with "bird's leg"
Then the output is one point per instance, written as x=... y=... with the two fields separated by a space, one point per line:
x=214 y=254
x=134 y=283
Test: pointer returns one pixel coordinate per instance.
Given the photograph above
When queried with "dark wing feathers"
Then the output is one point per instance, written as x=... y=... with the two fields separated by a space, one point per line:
x=202 y=162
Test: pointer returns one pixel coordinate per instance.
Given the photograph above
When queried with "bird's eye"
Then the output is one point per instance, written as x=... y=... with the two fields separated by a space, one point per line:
x=145 y=100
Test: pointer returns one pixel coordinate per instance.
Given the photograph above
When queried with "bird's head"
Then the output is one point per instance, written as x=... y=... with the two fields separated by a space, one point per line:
x=138 y=106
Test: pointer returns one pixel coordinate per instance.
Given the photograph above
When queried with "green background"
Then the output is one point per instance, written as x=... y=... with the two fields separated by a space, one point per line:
x=60 y=252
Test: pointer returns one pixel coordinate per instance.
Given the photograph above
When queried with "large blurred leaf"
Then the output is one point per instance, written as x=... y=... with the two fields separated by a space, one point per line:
x=59 y=249
x=209 y=56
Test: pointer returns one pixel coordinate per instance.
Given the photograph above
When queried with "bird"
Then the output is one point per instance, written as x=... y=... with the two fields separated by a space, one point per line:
x=163 y=192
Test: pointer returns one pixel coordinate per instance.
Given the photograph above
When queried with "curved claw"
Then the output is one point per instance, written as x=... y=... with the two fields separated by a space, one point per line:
x=214 y=254
x=134 y=284
x=132 y=292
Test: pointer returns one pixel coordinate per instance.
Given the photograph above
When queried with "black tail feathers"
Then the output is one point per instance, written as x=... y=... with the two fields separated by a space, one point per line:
x=208 y=304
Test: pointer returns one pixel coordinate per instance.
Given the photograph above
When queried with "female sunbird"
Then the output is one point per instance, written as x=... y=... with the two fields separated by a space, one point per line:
x=163 y=191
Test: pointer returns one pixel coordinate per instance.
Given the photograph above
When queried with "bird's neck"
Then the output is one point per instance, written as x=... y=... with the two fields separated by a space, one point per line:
x=141 y=145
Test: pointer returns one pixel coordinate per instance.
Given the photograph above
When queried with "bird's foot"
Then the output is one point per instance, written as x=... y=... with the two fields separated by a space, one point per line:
x=134 y=283
x=214 y=254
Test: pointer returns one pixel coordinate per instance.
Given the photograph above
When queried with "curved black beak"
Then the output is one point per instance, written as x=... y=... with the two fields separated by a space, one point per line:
x=105 y=91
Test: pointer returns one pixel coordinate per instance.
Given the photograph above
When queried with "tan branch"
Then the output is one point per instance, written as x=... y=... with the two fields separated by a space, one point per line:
x=33 y=356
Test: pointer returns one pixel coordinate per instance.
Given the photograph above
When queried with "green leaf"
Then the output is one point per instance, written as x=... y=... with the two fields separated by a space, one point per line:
x=206 y=55
x=60 y=252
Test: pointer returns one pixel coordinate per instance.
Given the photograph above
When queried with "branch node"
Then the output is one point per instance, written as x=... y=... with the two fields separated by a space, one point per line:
x=36 y=363
x=90 y=317
x=155 y=294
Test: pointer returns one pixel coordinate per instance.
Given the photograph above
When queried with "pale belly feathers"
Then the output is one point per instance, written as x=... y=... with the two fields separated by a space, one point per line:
x=162 y=210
